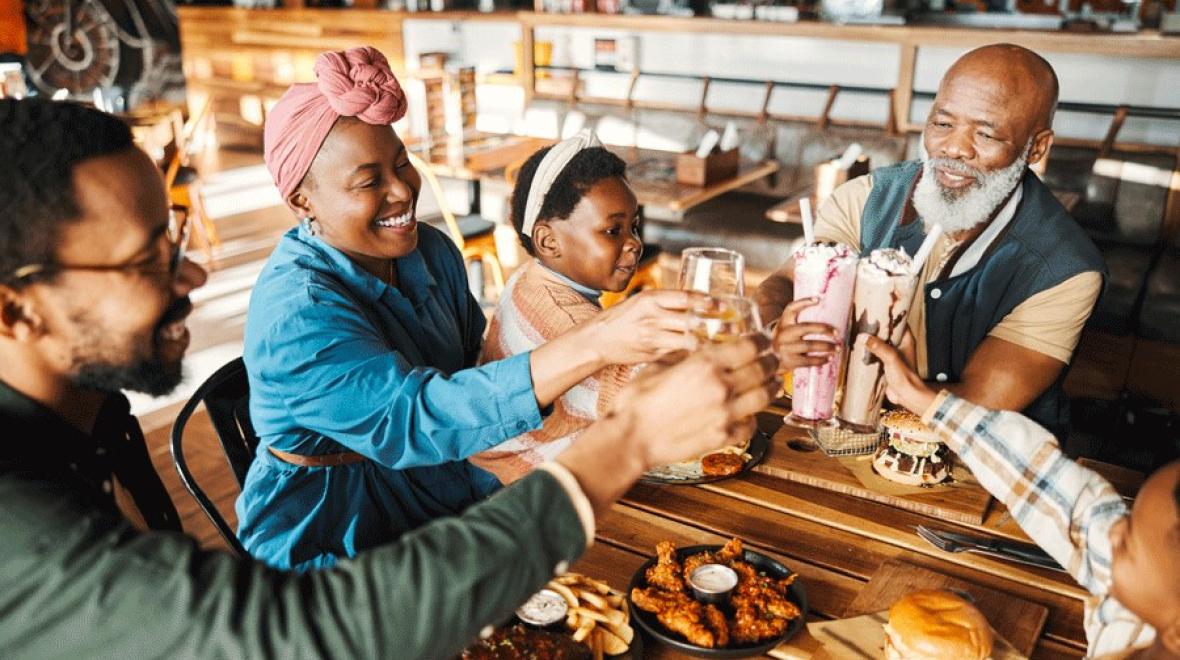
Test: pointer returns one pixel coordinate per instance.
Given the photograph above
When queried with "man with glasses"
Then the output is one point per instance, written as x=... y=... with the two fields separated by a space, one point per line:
x=93 y=296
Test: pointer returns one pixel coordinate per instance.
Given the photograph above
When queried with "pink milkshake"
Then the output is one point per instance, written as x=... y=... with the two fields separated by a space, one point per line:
x=827 y=271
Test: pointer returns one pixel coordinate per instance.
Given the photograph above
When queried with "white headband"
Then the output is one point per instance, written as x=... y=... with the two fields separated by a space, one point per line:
x=548 y=171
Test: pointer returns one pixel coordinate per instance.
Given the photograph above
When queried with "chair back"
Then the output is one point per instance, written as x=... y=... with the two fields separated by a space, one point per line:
x=439 y=197
x=226 y=395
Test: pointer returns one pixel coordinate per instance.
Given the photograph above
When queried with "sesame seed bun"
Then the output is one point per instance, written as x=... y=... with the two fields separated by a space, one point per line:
x=908 y=423
x=936 y=624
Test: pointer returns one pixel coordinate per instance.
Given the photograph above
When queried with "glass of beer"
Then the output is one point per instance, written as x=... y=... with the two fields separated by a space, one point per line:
x=715 y=271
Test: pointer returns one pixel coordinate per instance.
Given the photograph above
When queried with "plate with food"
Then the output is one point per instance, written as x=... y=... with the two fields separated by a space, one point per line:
x=713 y=601
x=573 y=617
x=713 y=466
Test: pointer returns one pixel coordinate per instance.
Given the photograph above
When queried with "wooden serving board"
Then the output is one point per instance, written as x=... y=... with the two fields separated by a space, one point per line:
x=964 y=502
x=1016 y=620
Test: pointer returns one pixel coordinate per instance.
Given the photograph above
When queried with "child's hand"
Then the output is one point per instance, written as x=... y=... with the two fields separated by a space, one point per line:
x=803 y=344
x=644 y=327
x=903 y=385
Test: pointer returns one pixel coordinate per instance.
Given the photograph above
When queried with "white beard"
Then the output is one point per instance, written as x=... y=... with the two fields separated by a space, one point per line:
x=960 y=210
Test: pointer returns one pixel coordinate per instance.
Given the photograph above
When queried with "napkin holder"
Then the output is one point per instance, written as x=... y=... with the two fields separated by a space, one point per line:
x=828 y=177
x=717 y=166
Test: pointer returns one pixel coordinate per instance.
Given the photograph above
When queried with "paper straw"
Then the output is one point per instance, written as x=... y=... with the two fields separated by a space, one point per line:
x=850 y=155
x=926 y=249
x=808 y=222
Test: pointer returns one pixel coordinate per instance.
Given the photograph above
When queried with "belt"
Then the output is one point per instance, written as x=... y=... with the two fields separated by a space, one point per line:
x=320 y=460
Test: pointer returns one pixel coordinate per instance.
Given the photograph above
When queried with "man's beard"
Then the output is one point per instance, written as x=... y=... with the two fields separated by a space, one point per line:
x=140 y=369
x=959 y=210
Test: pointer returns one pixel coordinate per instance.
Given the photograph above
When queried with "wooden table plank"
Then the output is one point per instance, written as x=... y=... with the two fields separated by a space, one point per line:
x=964 y=501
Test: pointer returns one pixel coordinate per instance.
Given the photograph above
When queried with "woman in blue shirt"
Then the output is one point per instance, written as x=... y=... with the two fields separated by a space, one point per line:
x=362 y=333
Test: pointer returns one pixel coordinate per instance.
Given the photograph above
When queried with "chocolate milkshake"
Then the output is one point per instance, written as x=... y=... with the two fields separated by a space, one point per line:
x=884 y=289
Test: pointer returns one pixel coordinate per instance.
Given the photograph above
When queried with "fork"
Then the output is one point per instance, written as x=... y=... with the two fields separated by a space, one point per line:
x=1017 y=552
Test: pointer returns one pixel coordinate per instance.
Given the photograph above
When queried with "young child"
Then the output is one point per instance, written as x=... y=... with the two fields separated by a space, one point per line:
x=1128 y=559
x=579 y=220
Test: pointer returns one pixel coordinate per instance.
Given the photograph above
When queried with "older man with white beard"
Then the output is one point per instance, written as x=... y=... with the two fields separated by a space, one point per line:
x=1011 y=282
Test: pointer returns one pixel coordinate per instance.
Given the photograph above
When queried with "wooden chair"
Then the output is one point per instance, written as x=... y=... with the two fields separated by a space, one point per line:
x=475 y=236
x=184 y=184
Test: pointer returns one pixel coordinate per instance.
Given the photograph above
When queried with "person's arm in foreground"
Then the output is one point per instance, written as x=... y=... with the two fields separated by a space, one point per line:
x=337 y=376
x=1067 y=509
x=74 y=583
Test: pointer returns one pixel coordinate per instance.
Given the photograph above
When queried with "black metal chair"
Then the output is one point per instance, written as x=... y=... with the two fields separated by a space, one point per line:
x=226 y=395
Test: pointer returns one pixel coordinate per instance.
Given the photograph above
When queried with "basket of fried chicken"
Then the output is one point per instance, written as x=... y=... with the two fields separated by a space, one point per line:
x=713 y=601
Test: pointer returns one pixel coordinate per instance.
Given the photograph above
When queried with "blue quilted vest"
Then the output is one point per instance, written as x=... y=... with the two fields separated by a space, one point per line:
x=1041 y=248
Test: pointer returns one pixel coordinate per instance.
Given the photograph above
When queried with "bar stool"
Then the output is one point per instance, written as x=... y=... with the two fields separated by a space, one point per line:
x=475 y=236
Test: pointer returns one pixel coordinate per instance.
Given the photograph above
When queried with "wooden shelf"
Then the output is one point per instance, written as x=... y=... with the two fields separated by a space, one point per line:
x=1147 y=43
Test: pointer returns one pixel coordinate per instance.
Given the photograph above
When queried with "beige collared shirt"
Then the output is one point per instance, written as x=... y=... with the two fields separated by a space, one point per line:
x=1049 y=322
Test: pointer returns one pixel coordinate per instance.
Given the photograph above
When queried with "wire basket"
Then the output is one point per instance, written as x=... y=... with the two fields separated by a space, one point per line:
x=840 y=441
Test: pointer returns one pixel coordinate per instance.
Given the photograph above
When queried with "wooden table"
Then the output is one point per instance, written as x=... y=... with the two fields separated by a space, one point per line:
x=652 y=175
x=835 y=542
x=477 y=155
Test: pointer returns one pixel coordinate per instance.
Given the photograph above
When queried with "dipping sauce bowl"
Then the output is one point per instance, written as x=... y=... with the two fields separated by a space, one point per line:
x=712 y=583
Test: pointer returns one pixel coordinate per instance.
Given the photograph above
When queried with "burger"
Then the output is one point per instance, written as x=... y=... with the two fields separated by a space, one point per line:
x=936 y=625
x=911 y=453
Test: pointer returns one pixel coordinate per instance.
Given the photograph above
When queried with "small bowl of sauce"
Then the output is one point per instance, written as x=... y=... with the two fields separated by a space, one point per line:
x=543 y=609
x=712 y=583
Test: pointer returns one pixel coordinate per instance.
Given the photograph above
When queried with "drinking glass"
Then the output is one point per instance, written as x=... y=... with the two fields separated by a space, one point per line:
x=715 y=271
x=719 y=319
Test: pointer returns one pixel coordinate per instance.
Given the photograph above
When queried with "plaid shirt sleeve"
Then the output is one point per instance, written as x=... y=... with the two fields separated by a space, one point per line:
x=1067 y=509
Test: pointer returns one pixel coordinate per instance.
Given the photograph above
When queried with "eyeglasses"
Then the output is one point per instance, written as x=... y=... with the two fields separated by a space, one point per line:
x=177 y=235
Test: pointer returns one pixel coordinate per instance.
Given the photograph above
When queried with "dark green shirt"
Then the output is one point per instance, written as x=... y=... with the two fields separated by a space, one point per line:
x=77 y=581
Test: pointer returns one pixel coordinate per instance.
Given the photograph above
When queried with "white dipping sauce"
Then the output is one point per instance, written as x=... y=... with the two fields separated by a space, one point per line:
x=543 y=608
x=713 y=578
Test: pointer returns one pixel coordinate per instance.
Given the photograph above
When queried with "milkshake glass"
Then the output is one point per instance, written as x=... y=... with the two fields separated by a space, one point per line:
x=880 y=304
x=827 y=271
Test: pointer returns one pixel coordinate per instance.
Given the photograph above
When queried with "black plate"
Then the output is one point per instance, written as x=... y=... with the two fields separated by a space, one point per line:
x=757 y=451
x=648 y=622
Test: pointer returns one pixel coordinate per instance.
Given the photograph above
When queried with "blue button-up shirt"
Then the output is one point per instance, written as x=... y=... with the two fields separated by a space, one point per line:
x=339 y=361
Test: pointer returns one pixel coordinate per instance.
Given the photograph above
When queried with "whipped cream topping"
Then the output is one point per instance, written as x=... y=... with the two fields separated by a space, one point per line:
x=828 y=250
x=888 y=262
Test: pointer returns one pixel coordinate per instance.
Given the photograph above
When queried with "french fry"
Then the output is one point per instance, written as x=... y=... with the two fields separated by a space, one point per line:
x=592 y=598
x=623 y=632
x=612 y=644
x=593 y=615
x=598 y=617
x=566 y=593
x=583 y=630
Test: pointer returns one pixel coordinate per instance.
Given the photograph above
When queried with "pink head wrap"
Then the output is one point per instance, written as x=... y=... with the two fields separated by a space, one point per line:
x=353 y=83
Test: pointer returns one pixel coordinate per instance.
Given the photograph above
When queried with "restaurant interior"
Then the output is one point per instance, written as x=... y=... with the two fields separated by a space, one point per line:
x=802 y=97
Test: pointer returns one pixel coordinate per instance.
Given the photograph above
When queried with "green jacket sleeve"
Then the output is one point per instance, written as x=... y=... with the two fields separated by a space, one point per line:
x=78 y=582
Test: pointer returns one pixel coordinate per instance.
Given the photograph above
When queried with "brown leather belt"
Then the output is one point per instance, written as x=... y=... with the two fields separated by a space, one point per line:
x=321 y=460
